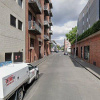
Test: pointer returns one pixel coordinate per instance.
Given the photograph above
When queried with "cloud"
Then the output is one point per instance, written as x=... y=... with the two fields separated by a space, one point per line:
x=65 y=15
x=66 y=10
x=64 y=28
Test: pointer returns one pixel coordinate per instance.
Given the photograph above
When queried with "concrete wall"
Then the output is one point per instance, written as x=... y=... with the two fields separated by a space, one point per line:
x=11 y=39
x=94 y=42
x=88 y=16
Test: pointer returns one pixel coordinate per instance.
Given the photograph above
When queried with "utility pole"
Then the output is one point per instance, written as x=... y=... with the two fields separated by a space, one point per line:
x=75 y=46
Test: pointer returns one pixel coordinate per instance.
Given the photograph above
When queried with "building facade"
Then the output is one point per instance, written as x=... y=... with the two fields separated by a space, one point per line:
x=12 y=30
x=47 y=26
x=89 y=15
x=88 y=48
x=25 y=30
x=67 y=46
x=37 y=29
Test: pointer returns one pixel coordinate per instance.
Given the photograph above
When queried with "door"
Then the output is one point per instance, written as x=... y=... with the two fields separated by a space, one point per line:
x=81 y=52
x=39 y=52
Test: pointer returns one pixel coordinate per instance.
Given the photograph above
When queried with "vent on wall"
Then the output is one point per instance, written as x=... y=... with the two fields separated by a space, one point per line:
x=94 y=63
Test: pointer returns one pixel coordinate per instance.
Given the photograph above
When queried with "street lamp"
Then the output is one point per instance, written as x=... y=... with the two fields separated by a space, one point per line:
x=75 y=46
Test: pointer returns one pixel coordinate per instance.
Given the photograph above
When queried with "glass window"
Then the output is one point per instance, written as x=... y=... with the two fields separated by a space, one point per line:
x=30 y=67
x=12 y=21
x=19 y=25
x=20 y=2
x=86 y=52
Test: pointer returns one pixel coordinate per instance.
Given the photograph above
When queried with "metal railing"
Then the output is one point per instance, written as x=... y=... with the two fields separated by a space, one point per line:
x=46 y=8
x=38 y=3
x=46 y=22
x=50 y=31
x=33 y=25
x=46 y=37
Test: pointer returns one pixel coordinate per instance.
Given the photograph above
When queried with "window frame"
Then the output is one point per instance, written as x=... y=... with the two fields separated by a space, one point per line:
x=20 y=23
x=21 y=3
x=12 y=22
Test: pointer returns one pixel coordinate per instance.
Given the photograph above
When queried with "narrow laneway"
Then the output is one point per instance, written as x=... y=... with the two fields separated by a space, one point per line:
x=61 y=78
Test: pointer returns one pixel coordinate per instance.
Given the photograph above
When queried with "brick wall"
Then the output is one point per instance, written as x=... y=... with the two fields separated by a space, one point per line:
x=94 y=42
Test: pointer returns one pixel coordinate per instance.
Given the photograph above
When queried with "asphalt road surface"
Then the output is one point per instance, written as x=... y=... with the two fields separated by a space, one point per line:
x=61 y=78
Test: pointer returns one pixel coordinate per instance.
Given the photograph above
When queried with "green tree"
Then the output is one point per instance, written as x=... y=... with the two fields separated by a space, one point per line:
x=58 y=47
x=71 y=36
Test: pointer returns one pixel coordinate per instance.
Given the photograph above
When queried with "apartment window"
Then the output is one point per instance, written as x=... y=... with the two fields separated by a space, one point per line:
x=20 y=2
x=19 y=25
x=31 y=42
x=87 y=20
x=12 y=21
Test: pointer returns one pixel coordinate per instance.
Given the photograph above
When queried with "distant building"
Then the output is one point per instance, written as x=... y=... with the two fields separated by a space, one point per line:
x=67 y=46
x=89 y=15
x=54 y=46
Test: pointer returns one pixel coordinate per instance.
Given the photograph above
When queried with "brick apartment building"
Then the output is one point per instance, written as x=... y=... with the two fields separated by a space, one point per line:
x=24 y=35
x=88 y=49
x=38 y=21
x=12 y=30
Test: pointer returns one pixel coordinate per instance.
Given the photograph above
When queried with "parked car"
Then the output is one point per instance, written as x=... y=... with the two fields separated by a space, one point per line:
x=65 y=53
x=57 y=51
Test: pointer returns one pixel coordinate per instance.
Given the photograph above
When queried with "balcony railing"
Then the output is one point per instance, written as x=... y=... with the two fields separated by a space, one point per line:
x=46 y=37
x=50 y=13
x=36 y=6
x=46 y=10
x=46 y=24
x=51 y=32
x=34 y=27
x=50 y=23
x=47 y=1
x=50 y=4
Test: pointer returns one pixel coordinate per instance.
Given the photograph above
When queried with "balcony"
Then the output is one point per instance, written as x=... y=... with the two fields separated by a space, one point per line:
x=34 y=27
x=50 y=42
x=50 y=4
x=50 y=32
x=46 y=10
x=46 y=24
x=50 y=23
x=50 y=12
x=36 y=6
x=47 y=1
x=46 y=38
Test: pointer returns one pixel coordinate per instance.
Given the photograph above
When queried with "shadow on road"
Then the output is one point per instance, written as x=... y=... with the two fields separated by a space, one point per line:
x=75 y=63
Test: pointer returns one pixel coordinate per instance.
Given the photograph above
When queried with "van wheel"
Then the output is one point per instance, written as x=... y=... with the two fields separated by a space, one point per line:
x=20 y=94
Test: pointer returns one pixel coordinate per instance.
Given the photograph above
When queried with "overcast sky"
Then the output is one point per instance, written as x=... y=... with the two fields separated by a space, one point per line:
x=65 y=15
